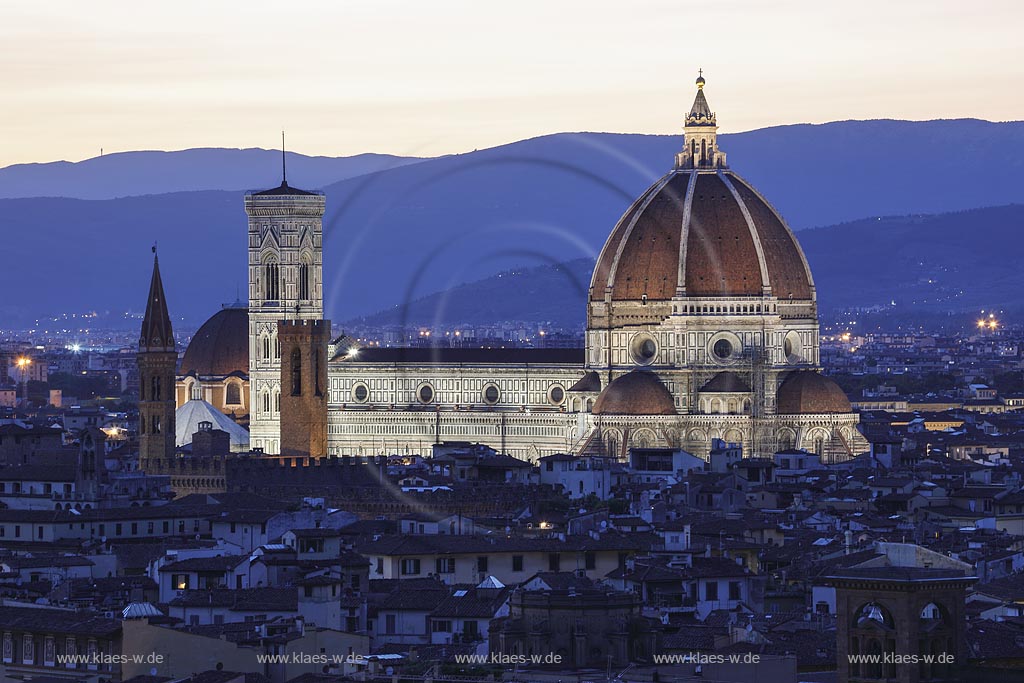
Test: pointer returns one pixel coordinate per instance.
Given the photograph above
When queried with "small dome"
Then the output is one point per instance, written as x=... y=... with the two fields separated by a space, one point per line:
x=220 y=346
x=636 y=393
x=808 y=392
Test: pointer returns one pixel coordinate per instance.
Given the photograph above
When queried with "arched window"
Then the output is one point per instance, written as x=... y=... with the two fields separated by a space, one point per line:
x=296 y=372
x=154 y=388
x=277 y=400
x=265 y=342
x=271 y=280
x=304 y=281
x=266 y=402
x=277 y=347
x=233 y=394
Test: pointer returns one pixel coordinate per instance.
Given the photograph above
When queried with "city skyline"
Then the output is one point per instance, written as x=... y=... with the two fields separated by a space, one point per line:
x=125 y=77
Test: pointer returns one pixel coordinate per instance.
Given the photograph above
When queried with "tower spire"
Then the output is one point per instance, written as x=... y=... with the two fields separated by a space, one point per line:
x=156 y=325
x=700 y=134
x=284 y=169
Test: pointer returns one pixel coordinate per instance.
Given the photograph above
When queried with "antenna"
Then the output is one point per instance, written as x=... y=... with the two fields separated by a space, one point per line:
x=284 y=170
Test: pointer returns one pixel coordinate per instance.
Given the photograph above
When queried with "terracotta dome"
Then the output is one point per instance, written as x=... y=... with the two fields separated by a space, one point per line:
x=806 y=391
x=636 y=393
x=220 y=346
x=701 y=233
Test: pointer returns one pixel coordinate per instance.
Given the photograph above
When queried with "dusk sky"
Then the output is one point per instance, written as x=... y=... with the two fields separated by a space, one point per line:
x=428 y=78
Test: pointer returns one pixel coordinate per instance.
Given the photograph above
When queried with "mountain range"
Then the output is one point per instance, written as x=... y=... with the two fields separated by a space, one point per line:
x=128 y=174
x=908 y=265
x=396 y=235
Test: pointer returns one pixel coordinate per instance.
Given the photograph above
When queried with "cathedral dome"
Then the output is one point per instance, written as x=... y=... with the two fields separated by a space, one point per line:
x=809 y=392
x=220 y=346
x=700 y=231
x=635 y=393
x=700 y=234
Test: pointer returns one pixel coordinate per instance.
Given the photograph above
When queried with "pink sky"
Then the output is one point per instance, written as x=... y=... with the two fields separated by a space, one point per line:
x=427 y=78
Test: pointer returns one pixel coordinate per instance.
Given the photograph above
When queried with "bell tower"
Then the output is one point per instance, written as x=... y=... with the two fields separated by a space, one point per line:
x=156 y=359
x=285 y=283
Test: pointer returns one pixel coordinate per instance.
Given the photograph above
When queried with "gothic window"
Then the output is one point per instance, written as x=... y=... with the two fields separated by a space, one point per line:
x=142 y=424
x=304 y=281
x=266 y=347
x=277 y=400
x=296 y=372
x=155 y=424
x=154 y=388
x=233 y=394
x=266 y=402
x=277 y=347
x=271 y=281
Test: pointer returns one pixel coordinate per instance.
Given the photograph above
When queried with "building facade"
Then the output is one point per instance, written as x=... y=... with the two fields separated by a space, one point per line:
x=701 y=324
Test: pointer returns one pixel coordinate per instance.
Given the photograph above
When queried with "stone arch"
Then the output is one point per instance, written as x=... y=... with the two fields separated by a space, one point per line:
x=785 y=439
x=643 y=438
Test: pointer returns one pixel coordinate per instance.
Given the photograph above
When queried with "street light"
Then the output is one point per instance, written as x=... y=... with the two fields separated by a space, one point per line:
x=23 y=363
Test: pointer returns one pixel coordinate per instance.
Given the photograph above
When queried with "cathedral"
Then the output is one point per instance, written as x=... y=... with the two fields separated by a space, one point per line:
x=701 y=325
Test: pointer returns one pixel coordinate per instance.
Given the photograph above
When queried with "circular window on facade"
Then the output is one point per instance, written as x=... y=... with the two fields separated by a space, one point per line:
x=643 y=349
x=360 y=393
x=556 y=394
x=722 y=349
x=491 y=394
x=425 y=393
x=792 y=347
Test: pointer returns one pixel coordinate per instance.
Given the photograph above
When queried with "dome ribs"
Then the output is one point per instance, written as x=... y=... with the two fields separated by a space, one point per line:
x=721 y=258
x=787 y=268
x=649 y=259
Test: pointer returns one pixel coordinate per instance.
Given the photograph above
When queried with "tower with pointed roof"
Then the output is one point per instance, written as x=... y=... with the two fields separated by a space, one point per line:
x=285 y=284
x=700 y=135
x=156 y=358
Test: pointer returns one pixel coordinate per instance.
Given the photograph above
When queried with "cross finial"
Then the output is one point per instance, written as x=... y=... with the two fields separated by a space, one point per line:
x=284 y=170
x=700 y=72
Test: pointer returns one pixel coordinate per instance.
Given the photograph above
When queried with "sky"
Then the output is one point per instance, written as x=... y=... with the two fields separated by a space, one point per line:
x=424 y=78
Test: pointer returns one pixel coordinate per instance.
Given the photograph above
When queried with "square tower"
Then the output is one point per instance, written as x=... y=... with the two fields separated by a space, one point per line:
x=285 y=283
x=304 y=391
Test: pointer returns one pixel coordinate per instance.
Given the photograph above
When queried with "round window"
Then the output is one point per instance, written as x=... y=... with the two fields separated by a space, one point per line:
x=360 y=393
x=491 y=394
x=556 y=395
x=426 y=393
x=643 y=349
x=723 y=349
x=792 y=348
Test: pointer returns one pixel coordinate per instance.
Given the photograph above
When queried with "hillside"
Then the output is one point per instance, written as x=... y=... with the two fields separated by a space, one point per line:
x=399 y=234
x=128 y=174
x=926 y=264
